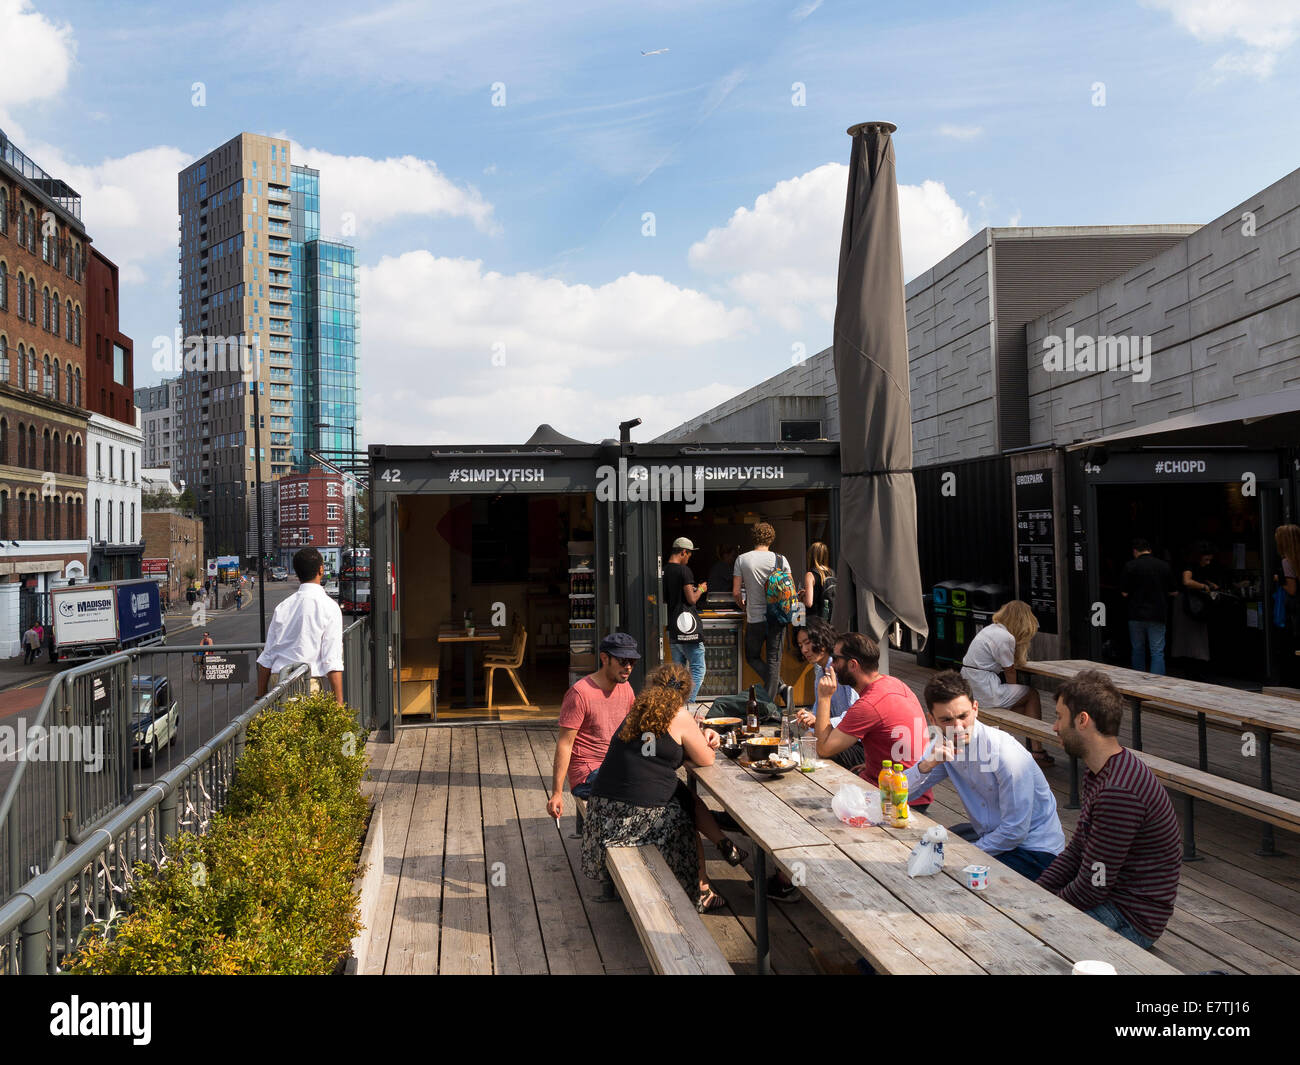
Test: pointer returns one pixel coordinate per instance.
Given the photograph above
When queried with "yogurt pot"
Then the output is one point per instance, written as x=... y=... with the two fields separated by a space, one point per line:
x=977 y=877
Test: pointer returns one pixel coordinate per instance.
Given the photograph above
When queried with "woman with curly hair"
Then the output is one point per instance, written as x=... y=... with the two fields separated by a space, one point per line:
x=993 y=657
x=637 y=799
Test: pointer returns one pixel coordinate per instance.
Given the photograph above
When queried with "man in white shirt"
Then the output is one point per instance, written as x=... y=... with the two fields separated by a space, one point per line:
x=306 y=627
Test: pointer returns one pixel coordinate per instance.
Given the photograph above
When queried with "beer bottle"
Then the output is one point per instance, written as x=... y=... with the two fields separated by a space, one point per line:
x=751 y=713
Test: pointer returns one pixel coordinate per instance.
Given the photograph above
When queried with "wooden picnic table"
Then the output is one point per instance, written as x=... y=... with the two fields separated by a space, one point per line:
x=1266 y=714
x=857 y=878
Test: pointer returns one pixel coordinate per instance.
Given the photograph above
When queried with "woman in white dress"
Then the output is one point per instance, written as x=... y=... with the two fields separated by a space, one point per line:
x=991 y=662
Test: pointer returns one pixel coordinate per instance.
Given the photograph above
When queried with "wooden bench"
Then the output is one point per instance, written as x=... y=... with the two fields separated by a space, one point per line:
x=1191 y=783
x=1284 y=693
x=674 y=937
x=1279 y=739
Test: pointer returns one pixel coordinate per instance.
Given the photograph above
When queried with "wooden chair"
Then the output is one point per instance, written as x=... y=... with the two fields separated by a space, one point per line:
x=509 y=662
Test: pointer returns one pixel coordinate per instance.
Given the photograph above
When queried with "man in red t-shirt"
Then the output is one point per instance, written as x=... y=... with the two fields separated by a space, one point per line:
x=887 y=717
x=592 y=711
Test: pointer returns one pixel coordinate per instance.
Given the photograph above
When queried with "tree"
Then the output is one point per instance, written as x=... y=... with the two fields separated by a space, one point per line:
x=361 y=518
x=187 y=501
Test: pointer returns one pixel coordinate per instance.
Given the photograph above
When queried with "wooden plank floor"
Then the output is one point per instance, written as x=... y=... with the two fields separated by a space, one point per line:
x=478 y=878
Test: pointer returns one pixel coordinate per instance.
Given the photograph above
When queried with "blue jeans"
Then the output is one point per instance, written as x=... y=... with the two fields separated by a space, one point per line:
x=583 y=790
x=1109 y=915
x=691 y=655
x=1144 y=633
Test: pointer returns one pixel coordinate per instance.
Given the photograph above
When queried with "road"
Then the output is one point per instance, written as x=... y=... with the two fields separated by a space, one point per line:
x=204 y=708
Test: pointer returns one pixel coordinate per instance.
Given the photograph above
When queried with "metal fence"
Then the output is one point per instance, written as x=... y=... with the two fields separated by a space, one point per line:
x=75 y=818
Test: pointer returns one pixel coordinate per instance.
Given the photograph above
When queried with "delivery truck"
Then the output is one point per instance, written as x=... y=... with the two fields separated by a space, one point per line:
x=101 y=619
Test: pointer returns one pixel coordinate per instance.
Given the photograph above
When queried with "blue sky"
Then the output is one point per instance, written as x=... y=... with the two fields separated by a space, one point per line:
x=516 y=234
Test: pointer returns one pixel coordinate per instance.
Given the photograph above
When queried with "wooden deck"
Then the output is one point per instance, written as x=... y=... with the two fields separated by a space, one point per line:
x=478 y=879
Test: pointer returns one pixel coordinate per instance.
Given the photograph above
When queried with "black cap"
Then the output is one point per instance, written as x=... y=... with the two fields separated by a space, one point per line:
x=620 y=645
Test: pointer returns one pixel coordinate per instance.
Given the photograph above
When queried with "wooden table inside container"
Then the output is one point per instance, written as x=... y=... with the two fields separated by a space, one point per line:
x=857 y=878
x=448 y=634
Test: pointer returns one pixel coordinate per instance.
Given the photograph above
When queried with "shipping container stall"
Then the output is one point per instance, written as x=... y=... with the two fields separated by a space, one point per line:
x=1181 y=500
x=486 y=577
x=714 y=494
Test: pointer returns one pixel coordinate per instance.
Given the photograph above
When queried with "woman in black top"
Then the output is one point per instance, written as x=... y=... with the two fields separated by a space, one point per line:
x=814 y=581
x=637 y=799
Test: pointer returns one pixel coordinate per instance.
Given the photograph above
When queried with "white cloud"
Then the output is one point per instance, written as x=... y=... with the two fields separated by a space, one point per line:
x=805 y=9
x=38 y=54
x=961 y=133
x=377 y=191
x=577 y=356
x=781 y=256
x=1266 y=27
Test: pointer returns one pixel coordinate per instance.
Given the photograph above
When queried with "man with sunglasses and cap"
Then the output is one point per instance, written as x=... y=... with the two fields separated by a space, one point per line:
x=591 y=713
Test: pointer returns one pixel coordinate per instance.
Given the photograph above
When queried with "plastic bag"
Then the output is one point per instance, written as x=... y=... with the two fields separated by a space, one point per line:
x=856 y=807
x=926 y=858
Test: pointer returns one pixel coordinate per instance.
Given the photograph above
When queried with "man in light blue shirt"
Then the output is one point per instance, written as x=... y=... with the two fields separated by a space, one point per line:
x=816 y=641
x=1011 y=808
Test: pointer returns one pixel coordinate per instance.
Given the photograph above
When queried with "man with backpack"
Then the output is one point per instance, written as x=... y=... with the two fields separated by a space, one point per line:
x=768 y=599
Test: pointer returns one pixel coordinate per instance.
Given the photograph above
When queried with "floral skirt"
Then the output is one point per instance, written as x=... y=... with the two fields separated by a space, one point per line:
x=611 y=823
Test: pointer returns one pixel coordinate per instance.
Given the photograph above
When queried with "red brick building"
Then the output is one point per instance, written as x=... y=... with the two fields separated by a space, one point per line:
x=312 y=514
x=110 y=388
x=43 y=424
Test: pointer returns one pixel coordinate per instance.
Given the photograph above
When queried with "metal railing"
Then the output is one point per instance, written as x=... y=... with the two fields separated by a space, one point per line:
x=72 y=827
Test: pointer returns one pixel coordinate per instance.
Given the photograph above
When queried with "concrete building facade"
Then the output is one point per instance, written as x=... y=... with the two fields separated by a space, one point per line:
x=156 y=423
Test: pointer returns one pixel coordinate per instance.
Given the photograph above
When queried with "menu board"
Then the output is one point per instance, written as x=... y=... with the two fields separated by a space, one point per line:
x=1036 y=545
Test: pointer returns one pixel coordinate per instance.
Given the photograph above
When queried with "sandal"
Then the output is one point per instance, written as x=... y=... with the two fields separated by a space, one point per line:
x=709 y=901
x=733 y=854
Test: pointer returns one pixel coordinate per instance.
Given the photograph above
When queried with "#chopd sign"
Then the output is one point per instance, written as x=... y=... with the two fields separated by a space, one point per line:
x=222 y=668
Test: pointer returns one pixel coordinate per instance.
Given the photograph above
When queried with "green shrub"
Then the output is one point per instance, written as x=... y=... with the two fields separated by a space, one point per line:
x=269 y=888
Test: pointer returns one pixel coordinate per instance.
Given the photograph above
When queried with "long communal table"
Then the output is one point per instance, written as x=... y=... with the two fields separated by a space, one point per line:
x=1265 y=714
x=857 y=878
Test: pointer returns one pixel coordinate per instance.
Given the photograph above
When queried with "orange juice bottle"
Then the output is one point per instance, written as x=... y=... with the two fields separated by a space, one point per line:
x=900 y=796
x=886 y=782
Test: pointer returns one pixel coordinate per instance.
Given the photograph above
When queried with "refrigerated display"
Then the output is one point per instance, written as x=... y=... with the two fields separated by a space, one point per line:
x=722 y=658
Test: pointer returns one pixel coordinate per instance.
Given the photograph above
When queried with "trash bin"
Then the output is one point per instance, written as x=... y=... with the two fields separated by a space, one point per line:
x=985 y=601
x=963 y=621
x=942 y=632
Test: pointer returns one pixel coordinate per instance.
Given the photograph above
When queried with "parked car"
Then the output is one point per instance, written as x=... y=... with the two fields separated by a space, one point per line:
x=155 y=716
x=331 y=585
x=279 y=573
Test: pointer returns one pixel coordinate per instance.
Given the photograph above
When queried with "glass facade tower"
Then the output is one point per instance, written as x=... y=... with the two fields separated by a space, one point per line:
x=256 y=276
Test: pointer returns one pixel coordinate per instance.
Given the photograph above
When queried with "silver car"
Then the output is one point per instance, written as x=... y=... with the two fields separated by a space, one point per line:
x=155 y=717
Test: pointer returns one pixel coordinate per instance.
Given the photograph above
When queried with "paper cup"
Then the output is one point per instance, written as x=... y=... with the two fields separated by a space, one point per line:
x=977 y=877
x=1093 y=968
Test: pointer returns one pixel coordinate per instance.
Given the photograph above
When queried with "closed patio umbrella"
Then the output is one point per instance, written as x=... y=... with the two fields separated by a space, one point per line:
x=879 y=565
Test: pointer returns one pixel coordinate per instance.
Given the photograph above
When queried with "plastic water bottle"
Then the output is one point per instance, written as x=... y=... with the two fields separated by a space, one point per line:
x=783 y=744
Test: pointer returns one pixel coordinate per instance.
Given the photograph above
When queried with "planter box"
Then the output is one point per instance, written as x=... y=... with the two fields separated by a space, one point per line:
x=367 y=885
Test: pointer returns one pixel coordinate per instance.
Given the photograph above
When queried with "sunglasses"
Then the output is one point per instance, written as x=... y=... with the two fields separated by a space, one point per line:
x=626 y=662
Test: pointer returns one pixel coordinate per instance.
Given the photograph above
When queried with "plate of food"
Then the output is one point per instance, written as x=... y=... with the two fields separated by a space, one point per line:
x=772 y=765
x=720 y=722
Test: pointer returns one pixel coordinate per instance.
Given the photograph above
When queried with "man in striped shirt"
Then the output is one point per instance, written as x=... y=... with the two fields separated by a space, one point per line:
x=1123 y=864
